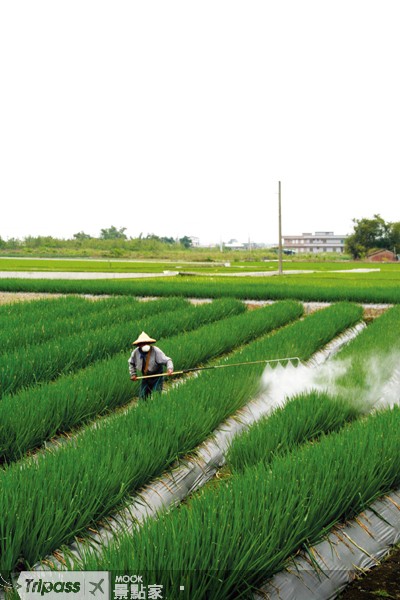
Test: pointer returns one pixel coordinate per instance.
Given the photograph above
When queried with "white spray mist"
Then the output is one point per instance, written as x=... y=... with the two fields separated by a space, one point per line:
x=381 y=386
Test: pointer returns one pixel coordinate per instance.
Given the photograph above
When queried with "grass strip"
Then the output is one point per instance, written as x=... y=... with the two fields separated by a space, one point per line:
x=49 y=500
x=54 y=322
x=66 y=354
x=368 y=288
x=326 y=324
x=304 y=417
x=371 y=358
x=31 y=310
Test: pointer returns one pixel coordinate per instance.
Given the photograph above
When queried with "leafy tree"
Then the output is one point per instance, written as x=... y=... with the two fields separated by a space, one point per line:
x=368 y=234
x=42 y=241
x=185 y=241
x=13 y=243
x=395 y=237
x=82 y=236
x=164 y=239
x=112 y=233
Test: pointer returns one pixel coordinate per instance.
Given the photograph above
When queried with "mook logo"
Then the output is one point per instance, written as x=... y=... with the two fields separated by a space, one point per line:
x=63 y=585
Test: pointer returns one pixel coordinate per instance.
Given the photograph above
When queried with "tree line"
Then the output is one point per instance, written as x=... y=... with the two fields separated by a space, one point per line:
x=368 y=235
x=110 y=237
x=115 y=233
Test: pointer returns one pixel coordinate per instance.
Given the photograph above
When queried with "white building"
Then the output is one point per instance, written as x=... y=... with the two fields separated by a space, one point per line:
x=320 y=241
x=234 y=245
x=195 y=241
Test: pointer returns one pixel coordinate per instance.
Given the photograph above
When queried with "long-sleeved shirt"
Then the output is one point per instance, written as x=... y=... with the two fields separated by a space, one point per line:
x=157 y=360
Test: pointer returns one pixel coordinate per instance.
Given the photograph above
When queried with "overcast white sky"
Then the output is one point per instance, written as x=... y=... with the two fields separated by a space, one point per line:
x=180 y=117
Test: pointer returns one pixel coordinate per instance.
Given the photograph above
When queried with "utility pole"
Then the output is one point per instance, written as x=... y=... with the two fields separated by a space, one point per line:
x=280 y=232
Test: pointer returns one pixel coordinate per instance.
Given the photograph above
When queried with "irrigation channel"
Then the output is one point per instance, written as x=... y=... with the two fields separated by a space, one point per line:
x=191 y=474
x=347 y=550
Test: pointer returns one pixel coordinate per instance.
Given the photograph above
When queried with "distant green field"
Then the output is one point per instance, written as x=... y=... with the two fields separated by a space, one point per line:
x=321 y=281
x=125 y=266
x=130 y=266
x=77 y=265
x=375 y=287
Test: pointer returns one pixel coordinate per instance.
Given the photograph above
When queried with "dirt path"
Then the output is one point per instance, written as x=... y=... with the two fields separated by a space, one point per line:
x=10 y=297
x=382 y=581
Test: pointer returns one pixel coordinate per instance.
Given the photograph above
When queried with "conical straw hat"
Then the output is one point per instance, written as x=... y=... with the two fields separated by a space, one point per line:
x=143 y=339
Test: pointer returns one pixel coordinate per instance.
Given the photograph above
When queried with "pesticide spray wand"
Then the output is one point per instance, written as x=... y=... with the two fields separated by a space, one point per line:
x=239 y=364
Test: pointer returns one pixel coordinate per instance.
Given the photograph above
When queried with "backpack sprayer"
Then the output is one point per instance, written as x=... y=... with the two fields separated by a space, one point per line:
x=239 y=364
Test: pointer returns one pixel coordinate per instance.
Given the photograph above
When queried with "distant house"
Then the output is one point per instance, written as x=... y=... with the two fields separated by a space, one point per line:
x=234 y=245
x=320 y=241
x=382 y=256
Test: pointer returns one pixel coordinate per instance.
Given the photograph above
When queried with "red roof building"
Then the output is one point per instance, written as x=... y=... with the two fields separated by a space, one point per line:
x=382 y=256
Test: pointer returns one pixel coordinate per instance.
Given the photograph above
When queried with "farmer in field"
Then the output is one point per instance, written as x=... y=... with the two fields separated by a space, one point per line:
x=150 y=360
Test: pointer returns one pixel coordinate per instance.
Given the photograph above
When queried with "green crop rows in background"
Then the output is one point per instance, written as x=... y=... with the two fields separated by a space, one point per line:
x=321 y=287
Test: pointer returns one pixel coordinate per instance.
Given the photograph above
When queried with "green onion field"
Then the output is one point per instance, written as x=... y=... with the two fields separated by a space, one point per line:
x=77 y=443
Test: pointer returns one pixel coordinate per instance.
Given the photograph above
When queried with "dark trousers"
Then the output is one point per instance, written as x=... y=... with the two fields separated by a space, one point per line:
x=150 y=386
